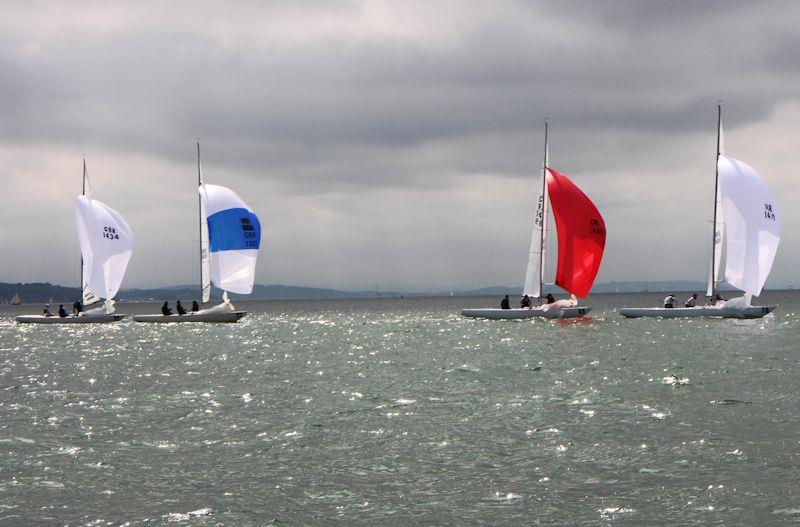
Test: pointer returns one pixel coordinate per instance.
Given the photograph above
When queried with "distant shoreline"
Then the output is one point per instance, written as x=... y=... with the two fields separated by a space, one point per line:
x=36 y=293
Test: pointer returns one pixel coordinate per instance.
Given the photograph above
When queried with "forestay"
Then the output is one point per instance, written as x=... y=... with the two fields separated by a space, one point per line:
x=106 y=246
x=752 y=225
x=234 y=237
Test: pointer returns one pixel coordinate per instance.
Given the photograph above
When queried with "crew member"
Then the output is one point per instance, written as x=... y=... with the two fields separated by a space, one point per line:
x=525 y=302
x=61 y=311
x=195 y=307
x=46 y=311
x=165 y=310
x=77 y=308
x=505 y=304
x=692 y=302
x=670 y=302
x=179 y=308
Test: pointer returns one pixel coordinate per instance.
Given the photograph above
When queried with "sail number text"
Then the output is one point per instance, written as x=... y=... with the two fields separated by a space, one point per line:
x=539 y=212
x=110 y=233
x=596 y=228
x=249 y=233
x=768 y=214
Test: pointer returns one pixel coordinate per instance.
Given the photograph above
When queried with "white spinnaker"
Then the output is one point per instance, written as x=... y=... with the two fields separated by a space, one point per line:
x=106 y=246
x=752 y=225
x=231 y=270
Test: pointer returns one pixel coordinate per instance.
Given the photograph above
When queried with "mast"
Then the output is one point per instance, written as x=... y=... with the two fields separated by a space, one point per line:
x=83 y=193
x=711 y=276
x=200 y=217
x=543 y=237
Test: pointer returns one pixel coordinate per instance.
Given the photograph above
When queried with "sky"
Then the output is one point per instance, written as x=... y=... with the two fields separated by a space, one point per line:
x=391 y=145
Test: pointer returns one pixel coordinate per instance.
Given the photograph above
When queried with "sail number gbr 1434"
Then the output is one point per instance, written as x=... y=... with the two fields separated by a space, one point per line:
x=110 y=233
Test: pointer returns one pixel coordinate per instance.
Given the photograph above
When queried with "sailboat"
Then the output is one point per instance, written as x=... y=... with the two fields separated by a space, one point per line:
x=106 y=246
x=16 y=300
x=230 y=236
x=746 y=232
x=581 y=241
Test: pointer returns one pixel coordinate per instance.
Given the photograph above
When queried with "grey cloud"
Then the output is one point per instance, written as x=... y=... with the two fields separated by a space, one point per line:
x=324 y=122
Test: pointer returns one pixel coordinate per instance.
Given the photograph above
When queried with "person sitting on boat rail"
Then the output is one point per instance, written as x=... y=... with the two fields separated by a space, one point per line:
x=691 y=301
x=525 y=302
x=505 y=304
x=671 y=301
x=77 y=308
x=46 y=311
x=550 y=298
x=179 y=308
x=165 y=310
x=61 y=311
x=195 y=307
x=718 y=298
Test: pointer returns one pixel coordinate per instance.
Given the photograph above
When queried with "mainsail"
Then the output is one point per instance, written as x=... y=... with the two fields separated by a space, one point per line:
x=581 y=234
x=234 y=236
x=106 y=246
x=752 y=225
x=534 y=274
x=715 y=272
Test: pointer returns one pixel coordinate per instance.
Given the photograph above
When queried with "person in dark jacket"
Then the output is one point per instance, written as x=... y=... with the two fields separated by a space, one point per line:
x=195 y=307
x=77 y=307
x=61 y=311
x=525 y=302
x=165 y=310
x=550 y=298
x=179 y=308
x=505 y=304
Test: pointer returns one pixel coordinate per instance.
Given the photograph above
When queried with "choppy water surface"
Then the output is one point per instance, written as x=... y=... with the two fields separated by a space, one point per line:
x=400 y=412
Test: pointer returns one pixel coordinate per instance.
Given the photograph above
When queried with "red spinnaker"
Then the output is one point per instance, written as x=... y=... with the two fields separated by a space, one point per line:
x=581 y=235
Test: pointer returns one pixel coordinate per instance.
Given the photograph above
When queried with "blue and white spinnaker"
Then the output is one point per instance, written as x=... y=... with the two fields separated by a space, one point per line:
x=230 y=239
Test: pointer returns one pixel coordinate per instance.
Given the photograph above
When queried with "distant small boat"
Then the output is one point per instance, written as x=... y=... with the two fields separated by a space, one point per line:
x=581 y=241
x=230 y=236
x=16 y=300
x=746 y=234
x=106 y=246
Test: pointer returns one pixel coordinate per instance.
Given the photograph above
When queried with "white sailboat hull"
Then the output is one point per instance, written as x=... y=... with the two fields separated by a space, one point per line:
x=222 y=316
x=524 y=313
x=71 y=319
x=693 y=312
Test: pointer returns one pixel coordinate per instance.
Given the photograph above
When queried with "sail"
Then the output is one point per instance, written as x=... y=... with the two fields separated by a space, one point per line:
x=106 y=246
x=205 y=256
x=87 y=297
x=581 y=234
x=533 y=285
x=234 y=236
x=715 y=274
x=752 y=225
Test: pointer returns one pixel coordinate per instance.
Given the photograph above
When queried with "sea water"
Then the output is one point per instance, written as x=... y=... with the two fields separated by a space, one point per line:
x=401 y=412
